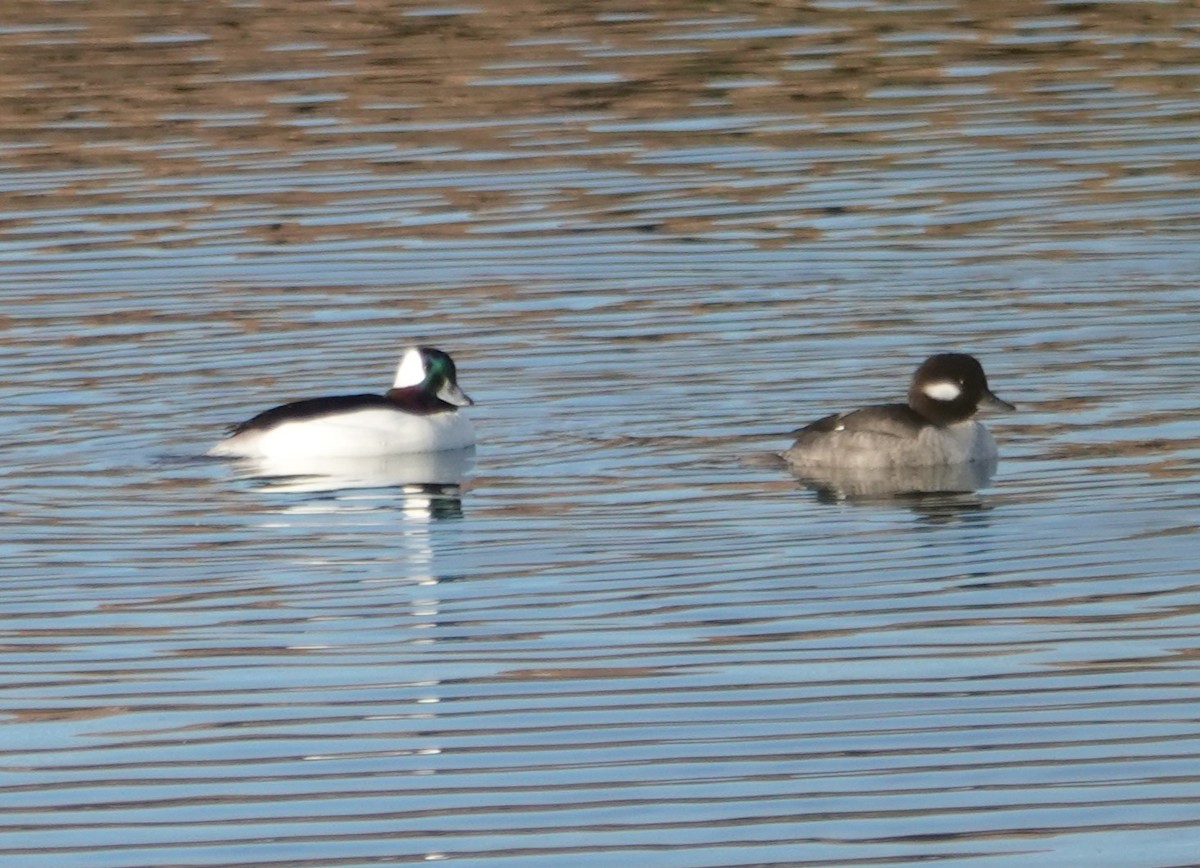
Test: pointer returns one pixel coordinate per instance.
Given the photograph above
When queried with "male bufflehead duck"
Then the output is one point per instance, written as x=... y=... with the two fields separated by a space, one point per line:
x=933 y=428
x=418 y=414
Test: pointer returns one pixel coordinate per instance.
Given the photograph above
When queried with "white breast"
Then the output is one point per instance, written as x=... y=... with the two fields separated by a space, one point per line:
x=373 y=431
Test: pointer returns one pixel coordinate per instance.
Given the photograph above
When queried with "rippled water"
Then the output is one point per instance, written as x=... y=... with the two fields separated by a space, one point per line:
x=656 y=239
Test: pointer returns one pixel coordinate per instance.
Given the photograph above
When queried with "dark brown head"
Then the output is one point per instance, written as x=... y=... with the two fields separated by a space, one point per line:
x=950 y=387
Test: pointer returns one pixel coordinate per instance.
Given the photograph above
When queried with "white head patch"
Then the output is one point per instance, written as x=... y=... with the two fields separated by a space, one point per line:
x=411 y=371
x=943 y=390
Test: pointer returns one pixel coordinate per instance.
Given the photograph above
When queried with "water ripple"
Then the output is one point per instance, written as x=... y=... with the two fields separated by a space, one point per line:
x=655 y=245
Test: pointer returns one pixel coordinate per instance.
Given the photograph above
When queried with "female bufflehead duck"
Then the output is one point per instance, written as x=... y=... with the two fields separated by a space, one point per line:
x=933 y=428
x=418 y=414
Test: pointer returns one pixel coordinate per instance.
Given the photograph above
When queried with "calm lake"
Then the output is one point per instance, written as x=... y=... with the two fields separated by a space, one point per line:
x=656 y=238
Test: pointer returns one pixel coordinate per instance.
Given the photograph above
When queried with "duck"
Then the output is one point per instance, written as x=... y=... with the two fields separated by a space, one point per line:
x=934 y=428
x=420 y=413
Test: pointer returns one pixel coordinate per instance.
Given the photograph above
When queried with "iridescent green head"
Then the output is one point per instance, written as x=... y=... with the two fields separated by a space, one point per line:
x=433 y=372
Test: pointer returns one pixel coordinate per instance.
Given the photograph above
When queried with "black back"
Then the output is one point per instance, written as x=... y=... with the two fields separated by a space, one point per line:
x=311 y=408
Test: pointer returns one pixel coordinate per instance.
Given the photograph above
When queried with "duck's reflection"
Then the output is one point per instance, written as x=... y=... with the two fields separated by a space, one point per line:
x=946 y=484
x=431 y=483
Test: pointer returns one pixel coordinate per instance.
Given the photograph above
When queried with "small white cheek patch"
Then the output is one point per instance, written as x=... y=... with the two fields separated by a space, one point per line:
x=943 y=391
x=411 y=371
